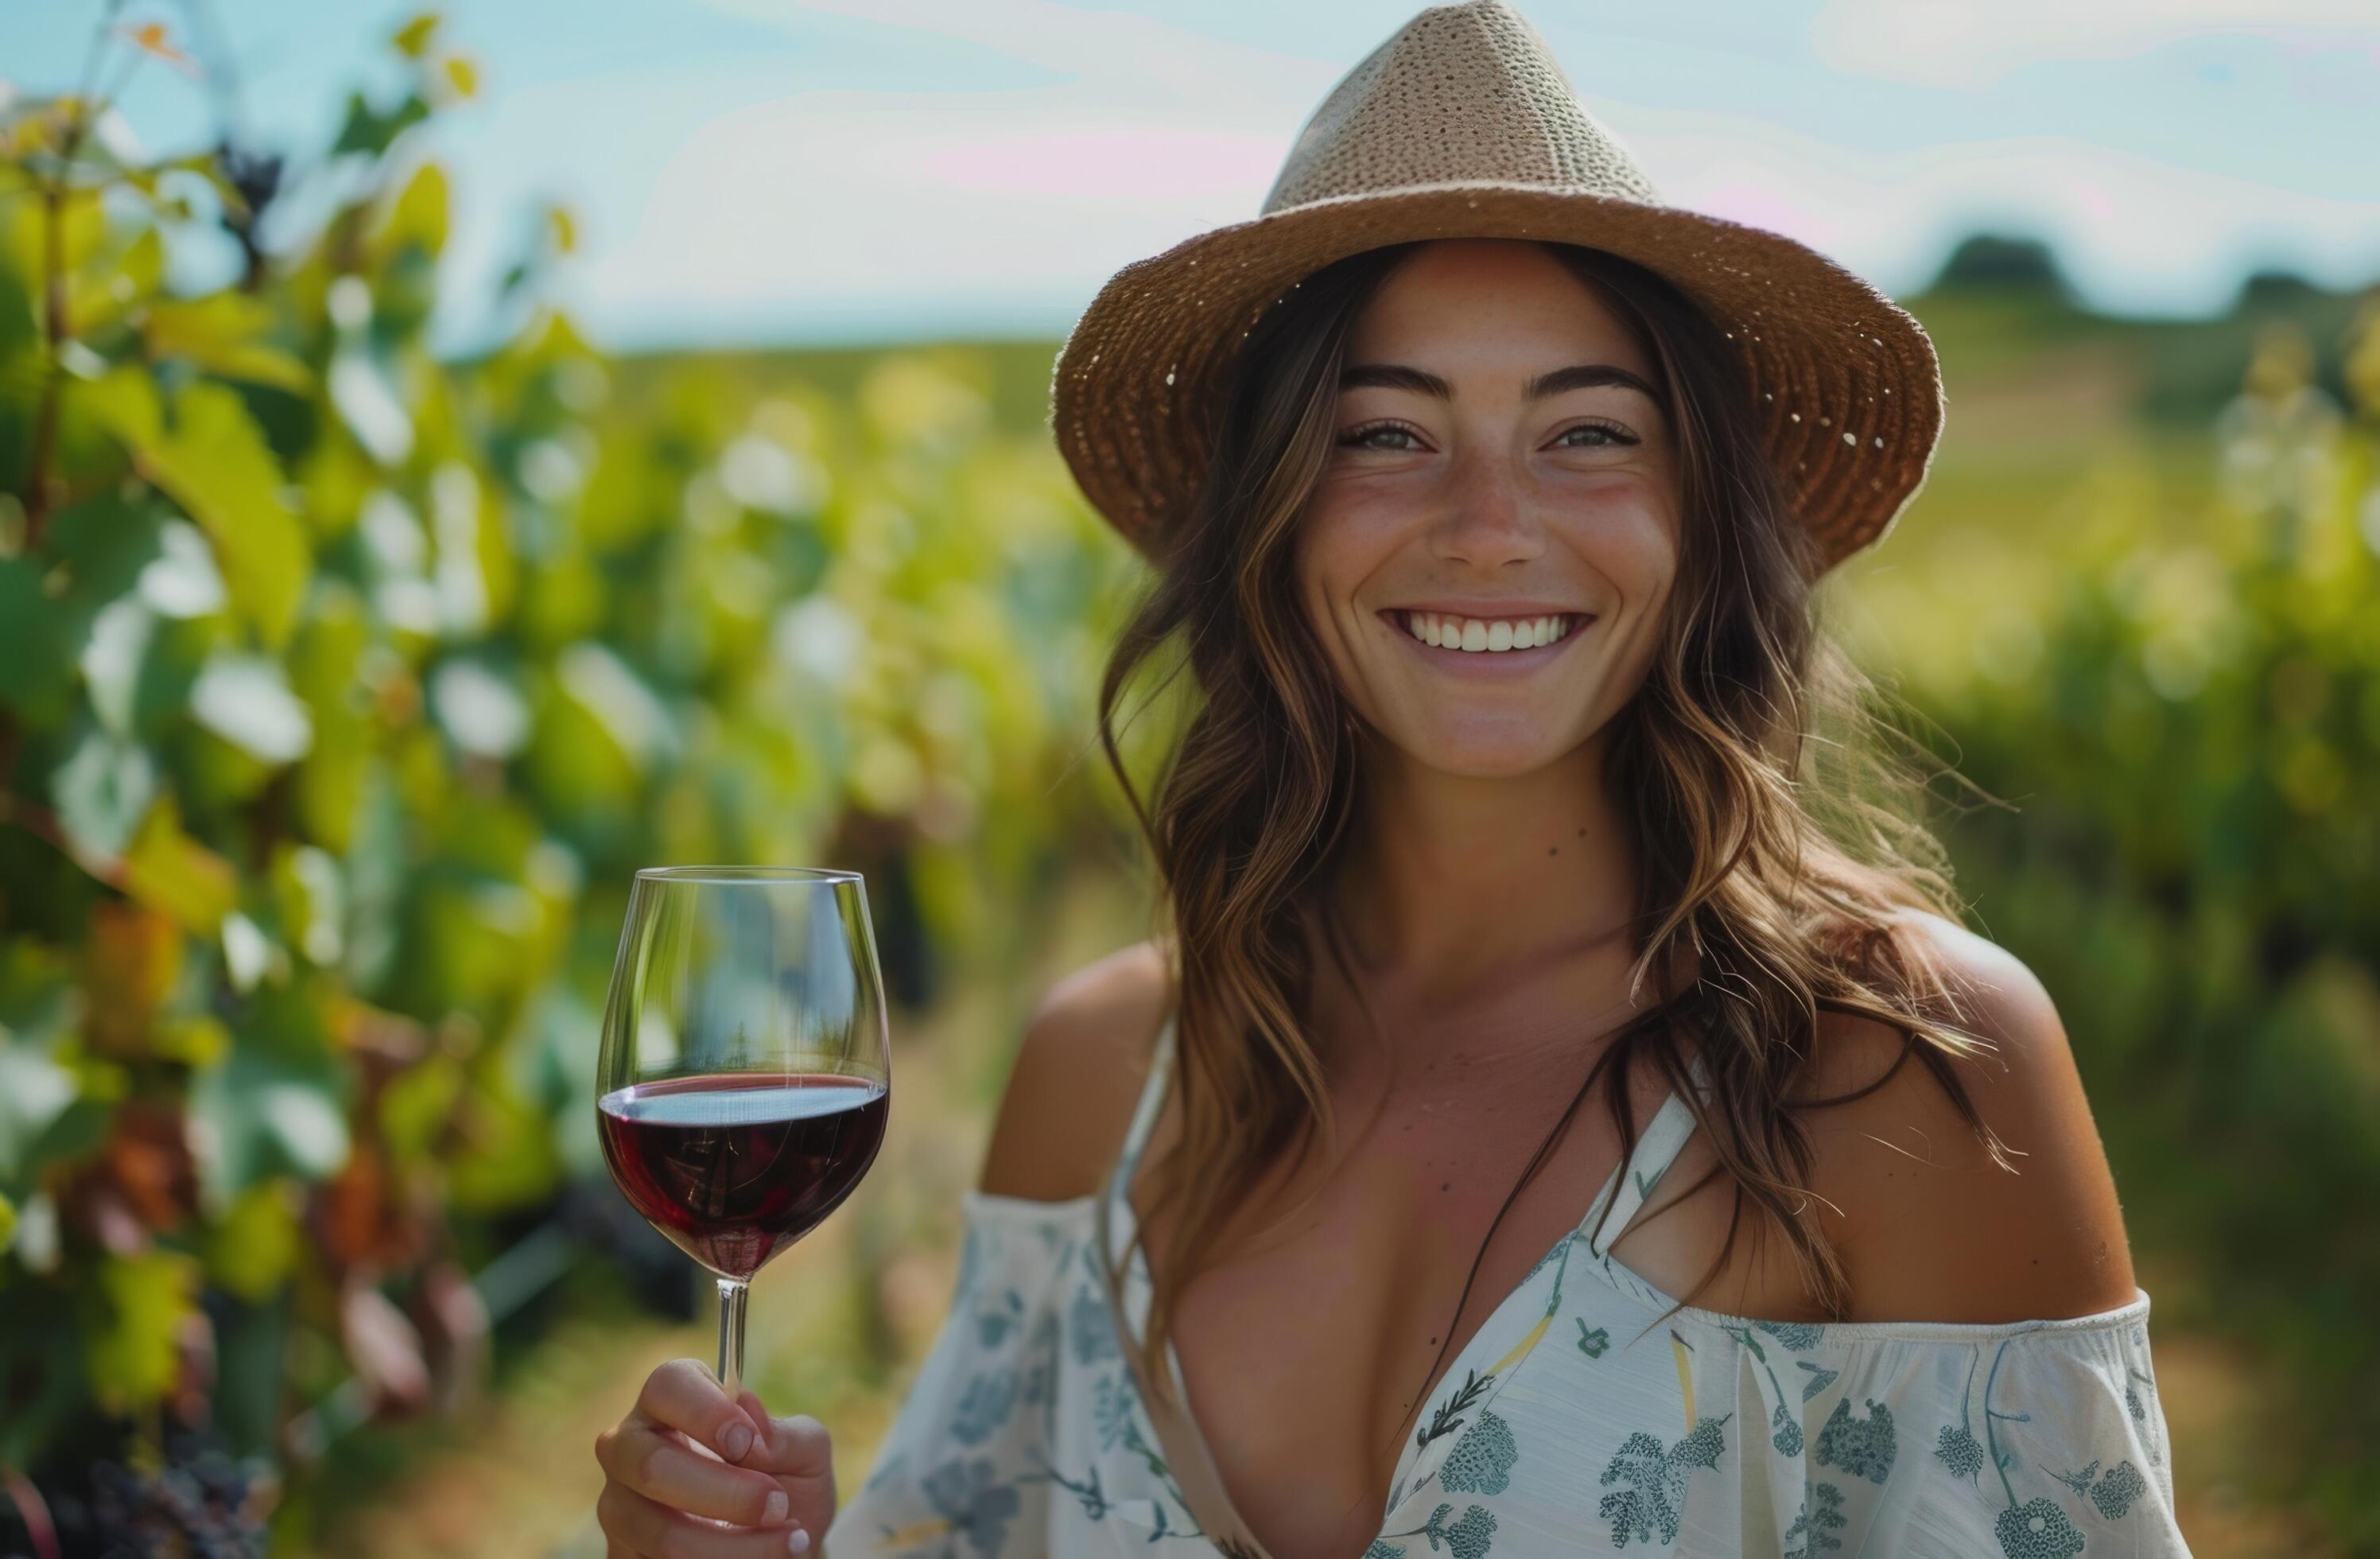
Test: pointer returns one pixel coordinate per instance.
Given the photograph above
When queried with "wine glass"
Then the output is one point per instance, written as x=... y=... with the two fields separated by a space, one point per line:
x=744 y=1081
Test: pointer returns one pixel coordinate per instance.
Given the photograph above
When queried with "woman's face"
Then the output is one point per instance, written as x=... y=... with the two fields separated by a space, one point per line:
x=1499 y=457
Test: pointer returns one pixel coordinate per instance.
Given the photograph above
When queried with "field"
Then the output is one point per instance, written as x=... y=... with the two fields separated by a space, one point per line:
x=346 y=686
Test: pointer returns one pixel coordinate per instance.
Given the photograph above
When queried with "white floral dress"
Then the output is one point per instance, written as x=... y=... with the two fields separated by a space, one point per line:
x=1571 y=1424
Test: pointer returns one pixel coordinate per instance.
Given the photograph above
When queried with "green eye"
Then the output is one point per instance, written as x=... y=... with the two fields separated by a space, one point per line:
x=1361 y=437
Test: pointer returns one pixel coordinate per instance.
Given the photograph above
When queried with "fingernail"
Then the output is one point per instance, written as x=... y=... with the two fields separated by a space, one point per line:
x=797 y=1541
x=735 y=1442
x=776 y=1510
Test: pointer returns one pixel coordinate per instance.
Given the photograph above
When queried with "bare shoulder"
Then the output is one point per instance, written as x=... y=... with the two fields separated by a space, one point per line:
x=1932 y=1229
x=1077 y=1075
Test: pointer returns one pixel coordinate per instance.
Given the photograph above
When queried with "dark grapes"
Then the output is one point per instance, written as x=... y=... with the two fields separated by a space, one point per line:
x=202 y=1503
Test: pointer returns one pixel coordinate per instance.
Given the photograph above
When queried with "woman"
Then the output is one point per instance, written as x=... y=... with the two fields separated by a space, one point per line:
x=1523 y=843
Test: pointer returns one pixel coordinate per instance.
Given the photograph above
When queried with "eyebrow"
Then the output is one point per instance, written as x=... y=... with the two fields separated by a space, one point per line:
x=1578 y=376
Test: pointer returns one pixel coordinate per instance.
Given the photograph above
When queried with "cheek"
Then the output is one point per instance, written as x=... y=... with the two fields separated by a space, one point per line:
x=1643 y=559
x=1628 y=534
x=1647 y=573
x=1332 y=558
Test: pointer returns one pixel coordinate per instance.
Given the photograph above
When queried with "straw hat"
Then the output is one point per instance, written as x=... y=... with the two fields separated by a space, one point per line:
x=1463 y=125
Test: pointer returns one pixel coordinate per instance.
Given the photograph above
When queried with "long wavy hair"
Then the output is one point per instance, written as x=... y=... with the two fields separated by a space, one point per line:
x=1780 y=818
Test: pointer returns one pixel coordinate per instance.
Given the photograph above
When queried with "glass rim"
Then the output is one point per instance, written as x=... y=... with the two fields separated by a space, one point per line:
x=724 y=876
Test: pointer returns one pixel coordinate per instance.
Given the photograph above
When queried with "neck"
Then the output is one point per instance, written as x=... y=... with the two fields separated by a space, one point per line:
x=1451 y=884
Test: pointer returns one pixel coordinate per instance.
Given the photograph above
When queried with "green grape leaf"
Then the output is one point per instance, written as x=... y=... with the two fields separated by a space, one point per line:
x=102 y=791
x=220 y=333
x=369 y=131
x=246 y=699
x=268 y=1112
x=41 y=636
x=168 y=871
x=97 y=551
x=130 y=1347
x=507 y=1158
x=19 y=327
x=35 y=1091
x=257 y=1243
x=215 y=465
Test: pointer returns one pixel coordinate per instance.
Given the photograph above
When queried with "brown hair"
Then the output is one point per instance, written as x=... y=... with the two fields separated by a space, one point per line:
x=1780 y=831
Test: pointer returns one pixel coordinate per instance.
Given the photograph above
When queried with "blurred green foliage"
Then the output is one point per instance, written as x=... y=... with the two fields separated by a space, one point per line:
x=2180 y=694
x=341 y=690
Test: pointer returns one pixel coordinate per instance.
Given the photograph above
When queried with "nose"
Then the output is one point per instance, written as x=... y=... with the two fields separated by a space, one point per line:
x=1489 y=523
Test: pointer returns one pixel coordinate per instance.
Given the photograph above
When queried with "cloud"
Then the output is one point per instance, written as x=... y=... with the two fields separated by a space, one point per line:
x=833 y=196
x=1104 y=158
x=825 y=215
x=1967 y=44
x=817 y=203
x=2136 y=234
x=1113 y=58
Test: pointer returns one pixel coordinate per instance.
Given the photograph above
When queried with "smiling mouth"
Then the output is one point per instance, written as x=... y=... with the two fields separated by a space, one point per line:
x=1486 y=636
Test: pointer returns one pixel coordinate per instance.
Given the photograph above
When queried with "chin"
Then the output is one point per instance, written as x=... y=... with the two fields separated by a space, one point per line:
x=1485 y=755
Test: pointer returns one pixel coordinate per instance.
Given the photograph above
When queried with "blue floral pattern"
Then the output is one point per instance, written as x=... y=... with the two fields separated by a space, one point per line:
x=977 y=1507
x=1654 y=1482
x=1864 y=1448
x=1088 y=1330
x=1025 y=1432
x=990 y=1398
x=1469 y=1537
x=1481 y=1462
x=1817 y=1528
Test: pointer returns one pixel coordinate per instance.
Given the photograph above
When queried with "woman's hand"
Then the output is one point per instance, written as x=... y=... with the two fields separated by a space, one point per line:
x=774 y=1483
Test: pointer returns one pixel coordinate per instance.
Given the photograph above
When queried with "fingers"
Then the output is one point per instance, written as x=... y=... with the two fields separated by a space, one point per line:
x=633 y=1523
x=651 y=1462
x=799 y=1450
x=688 y=1398
x=797 y=1446
x=664 y=1496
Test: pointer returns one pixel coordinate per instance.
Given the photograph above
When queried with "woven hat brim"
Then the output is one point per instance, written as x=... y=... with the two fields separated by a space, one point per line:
x=1848 y=381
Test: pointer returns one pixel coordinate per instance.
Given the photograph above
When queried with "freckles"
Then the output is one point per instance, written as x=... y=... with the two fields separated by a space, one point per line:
x=1371 y=522
x=1631 y=534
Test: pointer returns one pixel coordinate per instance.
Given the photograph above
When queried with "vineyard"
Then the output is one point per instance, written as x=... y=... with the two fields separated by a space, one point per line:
x=343 y=687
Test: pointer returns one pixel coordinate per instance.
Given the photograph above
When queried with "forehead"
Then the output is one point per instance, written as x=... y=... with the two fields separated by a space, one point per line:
x=1484 y=303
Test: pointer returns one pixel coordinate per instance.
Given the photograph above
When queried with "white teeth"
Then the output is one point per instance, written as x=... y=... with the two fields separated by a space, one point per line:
x=1479 y=636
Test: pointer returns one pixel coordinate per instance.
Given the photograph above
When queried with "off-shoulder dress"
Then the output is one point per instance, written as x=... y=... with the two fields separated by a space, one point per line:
x=1575 y=1421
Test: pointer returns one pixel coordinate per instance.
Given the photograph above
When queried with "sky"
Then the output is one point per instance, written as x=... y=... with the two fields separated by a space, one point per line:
x=777 y=172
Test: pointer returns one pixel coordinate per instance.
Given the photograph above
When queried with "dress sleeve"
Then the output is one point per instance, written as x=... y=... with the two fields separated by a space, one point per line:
x=964 y=1468
x=2040 y=1442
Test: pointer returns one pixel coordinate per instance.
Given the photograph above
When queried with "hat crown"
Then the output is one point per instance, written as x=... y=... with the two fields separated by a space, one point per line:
x=1461 y=93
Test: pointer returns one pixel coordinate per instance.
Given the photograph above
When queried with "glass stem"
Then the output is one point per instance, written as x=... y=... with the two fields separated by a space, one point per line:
x=731 y=1335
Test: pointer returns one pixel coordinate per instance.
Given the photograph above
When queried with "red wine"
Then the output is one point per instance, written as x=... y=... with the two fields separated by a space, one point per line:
x=734 y=1167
